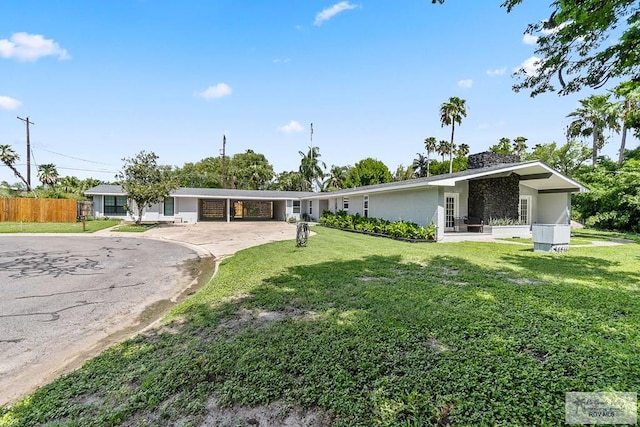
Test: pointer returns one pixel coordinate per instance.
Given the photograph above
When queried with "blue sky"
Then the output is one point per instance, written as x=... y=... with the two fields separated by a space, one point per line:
x=103 y=80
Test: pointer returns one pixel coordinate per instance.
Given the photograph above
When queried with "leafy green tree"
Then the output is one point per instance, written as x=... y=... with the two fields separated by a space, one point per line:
x=452 y=112
x=368 y=172
x=568 y=158
x=584 y=43
x=337 y=178
x=206 y=173
x=420 y=166
x=403 y=173
x=48 y=174
x=430 y=146
x=442 y=148
x=9 y=157
x=311 y=168
x=520 y=145
x=595 y=114
x=250 y=171
x=463 y=150
x=614 y=200
x=145 y=182
x=288 y=181
x=629 y=111
x=502 y=147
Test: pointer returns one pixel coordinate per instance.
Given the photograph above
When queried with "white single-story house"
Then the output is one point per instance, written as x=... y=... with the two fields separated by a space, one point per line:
x=494 y=187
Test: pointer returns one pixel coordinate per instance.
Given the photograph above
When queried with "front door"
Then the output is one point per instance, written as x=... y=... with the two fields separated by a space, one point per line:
x=450 y=211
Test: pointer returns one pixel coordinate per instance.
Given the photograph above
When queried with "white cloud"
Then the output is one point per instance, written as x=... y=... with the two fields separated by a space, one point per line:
x=466 y=83
x=555 y=29
x=7 y=103
x=30 y=47
x=529 y=39
x=218 y=91
x=497 y=71
x=292 y=127
x=530 y=66
x=332 y=11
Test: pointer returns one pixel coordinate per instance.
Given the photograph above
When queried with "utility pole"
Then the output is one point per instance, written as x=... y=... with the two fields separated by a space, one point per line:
x=224 y=147
x=27 y=122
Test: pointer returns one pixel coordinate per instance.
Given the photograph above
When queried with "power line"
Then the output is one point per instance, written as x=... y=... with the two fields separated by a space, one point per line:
x=74 y=158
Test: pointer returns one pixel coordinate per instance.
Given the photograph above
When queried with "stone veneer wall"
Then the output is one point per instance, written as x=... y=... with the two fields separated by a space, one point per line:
x=483 y=160
x=494 y=197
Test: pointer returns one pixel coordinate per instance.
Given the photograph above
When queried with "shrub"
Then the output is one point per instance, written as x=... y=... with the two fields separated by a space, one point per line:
x=398 y=229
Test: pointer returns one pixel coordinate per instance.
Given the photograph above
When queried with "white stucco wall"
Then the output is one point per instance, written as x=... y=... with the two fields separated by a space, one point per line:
x=186 y=208
x=419 y=206
x=528 y=191
x=554 y=208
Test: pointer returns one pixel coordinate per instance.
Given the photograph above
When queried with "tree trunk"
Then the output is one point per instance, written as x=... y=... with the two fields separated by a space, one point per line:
x=428 y=162
x=594 y=153
x=19 y=175
x=622 y=144
x=453 y=128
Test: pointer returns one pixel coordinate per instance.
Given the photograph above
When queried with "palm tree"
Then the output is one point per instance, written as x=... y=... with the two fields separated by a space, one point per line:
x=452 y=112
x=9 y=157
x=310 y=168
x=336 y=178
x=420 y=166
x=630 y=108
x=595 y=114
x=463 y=150
x=48 y=174
x=430 y=146
x=520 y=145
x=442 y=148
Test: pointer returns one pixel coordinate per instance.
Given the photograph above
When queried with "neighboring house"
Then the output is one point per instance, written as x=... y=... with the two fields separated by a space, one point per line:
x=495 y=186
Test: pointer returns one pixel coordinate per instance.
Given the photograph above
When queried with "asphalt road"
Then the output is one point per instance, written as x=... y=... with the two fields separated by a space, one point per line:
x=63 y=298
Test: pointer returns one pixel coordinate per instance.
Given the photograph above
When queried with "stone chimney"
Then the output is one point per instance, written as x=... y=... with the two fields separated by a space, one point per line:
x=494 y=197
x=486 y=159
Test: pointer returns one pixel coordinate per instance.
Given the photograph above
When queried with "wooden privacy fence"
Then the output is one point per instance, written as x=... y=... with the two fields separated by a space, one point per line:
x=38 y=210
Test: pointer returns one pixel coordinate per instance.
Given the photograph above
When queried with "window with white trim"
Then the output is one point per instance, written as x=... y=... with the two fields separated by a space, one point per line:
x=365 y=206
x=310 y=207
x=168 y=206
x=296 y=206
x=115 y=205
x=345 y=204
x=524 y=210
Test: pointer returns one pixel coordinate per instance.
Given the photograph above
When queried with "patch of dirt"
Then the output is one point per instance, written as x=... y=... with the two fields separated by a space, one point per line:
x=450 y=271
x=537 y=355
x=523 y=281
x=437 y=346
x=260 y=318
x=274 y=414
x=451 y=282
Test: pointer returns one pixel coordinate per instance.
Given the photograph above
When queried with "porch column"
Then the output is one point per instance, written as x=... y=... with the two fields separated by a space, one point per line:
x=228 y=210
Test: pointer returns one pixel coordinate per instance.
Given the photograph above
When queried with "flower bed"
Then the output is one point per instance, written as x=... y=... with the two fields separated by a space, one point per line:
x=403 y=230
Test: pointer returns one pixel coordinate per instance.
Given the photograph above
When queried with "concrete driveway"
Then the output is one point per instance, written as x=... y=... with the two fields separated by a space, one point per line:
x=64 y=299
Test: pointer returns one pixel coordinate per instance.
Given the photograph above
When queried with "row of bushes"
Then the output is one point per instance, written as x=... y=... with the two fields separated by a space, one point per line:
x=398 y=229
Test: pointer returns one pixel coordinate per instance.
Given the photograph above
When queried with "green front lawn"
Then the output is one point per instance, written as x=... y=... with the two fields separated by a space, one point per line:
x=56 y=227
x=135 y=228
x=370 y=331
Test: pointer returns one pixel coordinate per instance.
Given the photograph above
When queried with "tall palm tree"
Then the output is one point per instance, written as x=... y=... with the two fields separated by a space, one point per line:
x=310 y=168
x=520 y=145
x=463 y=150
x=430 y=146
x=442 y=148
x=48 y=174
x=336 y=178
x=630 y=108
x=420 y=166
x=9 y=157
x=595 y=114
x=452 y=112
